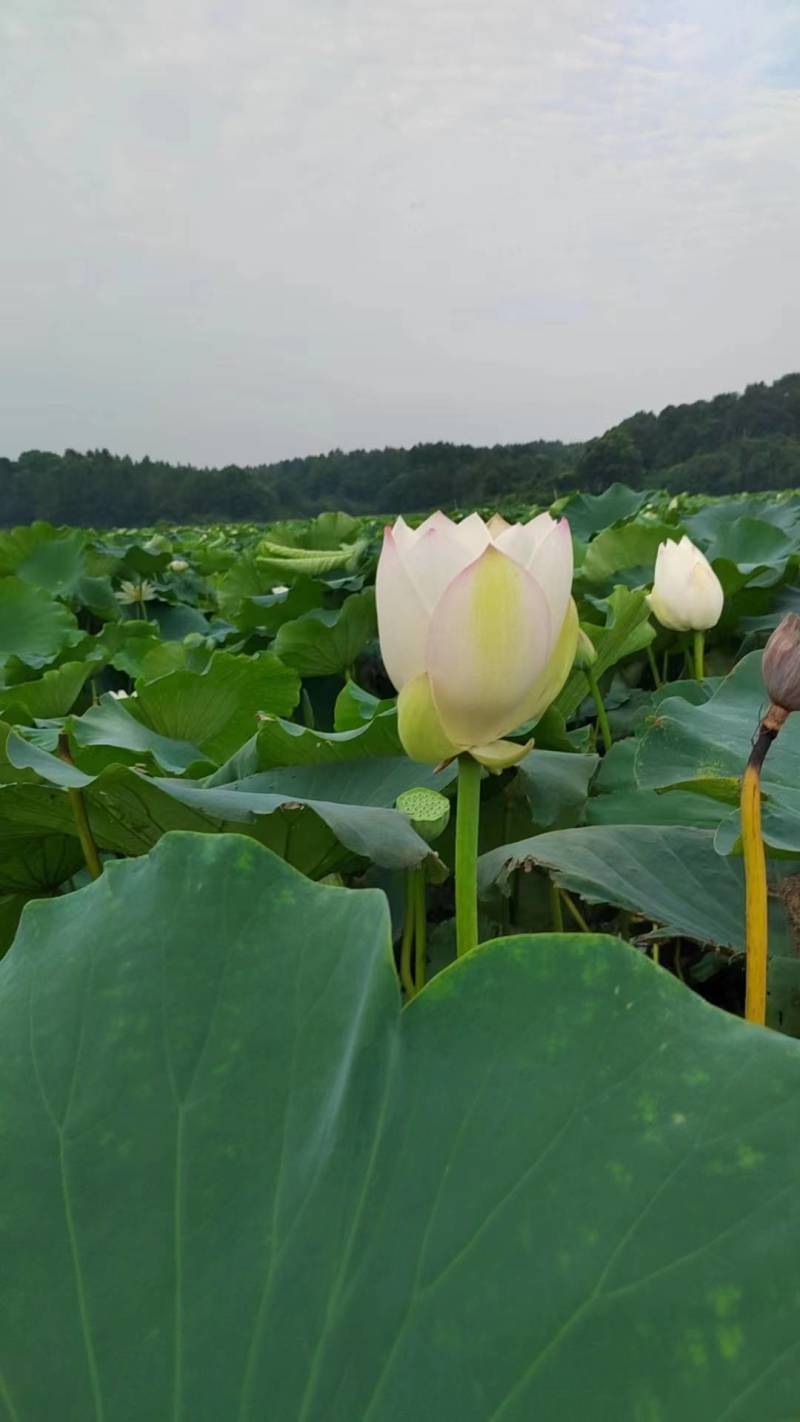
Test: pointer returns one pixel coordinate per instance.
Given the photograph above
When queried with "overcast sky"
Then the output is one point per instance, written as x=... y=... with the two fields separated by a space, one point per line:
x=235 y=230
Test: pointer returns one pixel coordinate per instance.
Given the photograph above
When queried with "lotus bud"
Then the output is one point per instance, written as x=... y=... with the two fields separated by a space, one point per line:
x=585 y=652
x=687 y=595
x=178 y=565
x=477 y=630
x=428 y=811
x=781 y=664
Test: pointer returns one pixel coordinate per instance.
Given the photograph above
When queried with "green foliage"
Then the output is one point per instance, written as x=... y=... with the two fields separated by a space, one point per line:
x=556 y=1163
x=726 y=445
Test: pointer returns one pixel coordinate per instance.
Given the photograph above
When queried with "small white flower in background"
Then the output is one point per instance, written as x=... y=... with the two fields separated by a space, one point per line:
x=279 y=589
x=178 y=565
x=687 y=595
x=136 y=592
x=119 y=695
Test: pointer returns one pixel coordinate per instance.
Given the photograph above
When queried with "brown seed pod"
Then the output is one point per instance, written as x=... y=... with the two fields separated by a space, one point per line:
x=781 y=664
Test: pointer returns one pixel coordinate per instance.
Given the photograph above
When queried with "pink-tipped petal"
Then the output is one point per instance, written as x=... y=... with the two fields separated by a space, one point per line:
x=432 y=564
x=488 y=643
x=402 y=616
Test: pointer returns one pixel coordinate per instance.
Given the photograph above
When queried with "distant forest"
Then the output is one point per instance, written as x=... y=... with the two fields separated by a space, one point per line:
x=720 y=446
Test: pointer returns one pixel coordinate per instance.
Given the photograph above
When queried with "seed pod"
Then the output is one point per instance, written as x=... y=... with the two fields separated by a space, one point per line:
x=428 y=811
x=781 y=664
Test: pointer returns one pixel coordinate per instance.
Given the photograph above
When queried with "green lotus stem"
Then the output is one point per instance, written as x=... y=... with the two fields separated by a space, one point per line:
x=467 y=818
x=77 y=804
x=307 y=708
x=555 y=908
x=575 y=911
x=602 y=718
x=407 y=940
x=84 y=832
x=699 y=655
x=653 y=667
x=420 y=927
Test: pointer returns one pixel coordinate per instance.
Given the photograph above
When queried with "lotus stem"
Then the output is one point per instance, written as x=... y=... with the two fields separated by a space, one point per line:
x=85 y=833
x=575 y=911
x=420 y=927
x=467 y=818
x=408 y=937
x=602 y=718
x=699 y=655
x=653 y=667
x=555 y=908
x=755 y=870
x=78 y=807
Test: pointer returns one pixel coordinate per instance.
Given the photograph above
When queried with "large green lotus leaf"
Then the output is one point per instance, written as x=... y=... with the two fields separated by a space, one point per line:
x=626 y=630
x=17 y=544
x=709 y=523
x=634 y=545
x=670 y=874
x=268 y=613
x=354 y=706
x=618 y=799
x=57 y=564
x=288 y=565
x=52 y=694
x=368 y=831
x=279 y=742
x=37 y=862
x=246 y=1185
x=754 y=546
x=588 y=514
x=374 y=781
x=129 y=811
x=218 y=709
x=556 y=786
x=705 y=748
x=110 y=724
x=33 y=626
x=322 y=643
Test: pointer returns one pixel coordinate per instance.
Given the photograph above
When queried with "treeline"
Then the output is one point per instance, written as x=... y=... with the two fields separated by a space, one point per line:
x=731 y=443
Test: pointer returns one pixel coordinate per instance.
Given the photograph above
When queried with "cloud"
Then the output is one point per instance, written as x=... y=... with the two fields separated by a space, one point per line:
x=245 y=230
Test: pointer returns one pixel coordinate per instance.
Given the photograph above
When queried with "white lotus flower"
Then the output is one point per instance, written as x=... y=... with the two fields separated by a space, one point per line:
x=178 y=565
x=477 y=630
x=136 y=592
x=687 y=595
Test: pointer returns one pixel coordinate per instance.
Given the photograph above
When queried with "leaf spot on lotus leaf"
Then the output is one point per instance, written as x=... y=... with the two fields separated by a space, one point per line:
x=730 y=1338
x=696 y=1350
x=647 y=1110
x=724 y=1300
x=619 y=1173
x=747 y=1157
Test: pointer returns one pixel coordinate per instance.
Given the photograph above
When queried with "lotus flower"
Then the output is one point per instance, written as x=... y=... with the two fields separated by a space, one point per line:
x=687 y=595
x=477 y=630
x=136 y=592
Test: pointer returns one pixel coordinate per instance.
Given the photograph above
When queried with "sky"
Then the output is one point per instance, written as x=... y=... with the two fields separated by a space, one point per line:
x=239 y=230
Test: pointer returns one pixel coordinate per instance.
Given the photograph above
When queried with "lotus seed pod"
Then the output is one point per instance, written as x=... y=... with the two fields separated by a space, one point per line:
x=428 y=811
x=781 y=664
x=585 y=652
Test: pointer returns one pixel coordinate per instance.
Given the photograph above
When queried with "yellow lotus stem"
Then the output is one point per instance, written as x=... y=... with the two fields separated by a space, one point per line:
x=755 y=870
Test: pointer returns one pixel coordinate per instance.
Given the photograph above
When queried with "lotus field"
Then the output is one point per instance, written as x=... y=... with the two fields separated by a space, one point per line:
x=401 y=989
